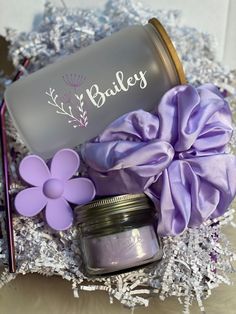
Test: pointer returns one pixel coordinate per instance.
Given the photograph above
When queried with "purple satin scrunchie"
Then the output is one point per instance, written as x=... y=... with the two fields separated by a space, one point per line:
x=195 y=121
x=175 y=155
x=127 y=157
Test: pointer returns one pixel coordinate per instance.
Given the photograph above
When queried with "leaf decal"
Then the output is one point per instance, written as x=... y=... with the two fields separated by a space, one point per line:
x=60 y=109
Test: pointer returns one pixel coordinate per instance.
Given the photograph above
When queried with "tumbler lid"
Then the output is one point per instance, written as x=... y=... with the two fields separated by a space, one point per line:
x=171 y=49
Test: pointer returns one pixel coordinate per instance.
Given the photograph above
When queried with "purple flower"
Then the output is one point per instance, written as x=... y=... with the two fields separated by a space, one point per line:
x=53 y=188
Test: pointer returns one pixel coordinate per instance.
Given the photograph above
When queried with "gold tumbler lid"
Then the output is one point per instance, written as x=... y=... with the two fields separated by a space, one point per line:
x=171 y=49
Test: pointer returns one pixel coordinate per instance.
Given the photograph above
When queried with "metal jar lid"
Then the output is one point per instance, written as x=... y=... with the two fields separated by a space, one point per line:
x=128 y=204
x=170 y=48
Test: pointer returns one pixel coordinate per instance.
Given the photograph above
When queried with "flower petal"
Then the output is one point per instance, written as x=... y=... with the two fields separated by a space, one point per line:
x=34 y=170
x=64 y=164
x=30 y=202
x=59 y=214
x=79 y=190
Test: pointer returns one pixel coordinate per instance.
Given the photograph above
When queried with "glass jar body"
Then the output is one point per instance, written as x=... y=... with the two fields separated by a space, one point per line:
x=121 y=250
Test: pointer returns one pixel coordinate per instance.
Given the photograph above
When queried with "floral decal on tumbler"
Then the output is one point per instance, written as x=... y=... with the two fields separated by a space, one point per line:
x=66 y=103
x=74 y=80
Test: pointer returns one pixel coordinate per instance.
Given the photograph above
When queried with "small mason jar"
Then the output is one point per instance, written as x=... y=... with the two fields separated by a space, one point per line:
x=74 y=99
x=118 y=233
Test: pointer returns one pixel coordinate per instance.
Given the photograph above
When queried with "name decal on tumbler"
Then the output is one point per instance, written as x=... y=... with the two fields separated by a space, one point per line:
x=98 y=98
x=72 y=104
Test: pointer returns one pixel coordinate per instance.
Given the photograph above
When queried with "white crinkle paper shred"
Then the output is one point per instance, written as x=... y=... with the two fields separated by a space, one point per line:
x=195 y=262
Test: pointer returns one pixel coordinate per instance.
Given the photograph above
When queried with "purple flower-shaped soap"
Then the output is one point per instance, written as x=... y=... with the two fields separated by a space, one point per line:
x=53 y=188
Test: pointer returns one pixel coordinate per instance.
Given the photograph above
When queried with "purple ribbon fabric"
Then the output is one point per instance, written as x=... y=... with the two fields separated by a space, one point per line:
x=127 y=157
x=175 y=155
x=195 y=121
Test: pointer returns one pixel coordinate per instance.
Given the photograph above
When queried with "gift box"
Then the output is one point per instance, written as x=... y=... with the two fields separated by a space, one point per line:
x=194 y=261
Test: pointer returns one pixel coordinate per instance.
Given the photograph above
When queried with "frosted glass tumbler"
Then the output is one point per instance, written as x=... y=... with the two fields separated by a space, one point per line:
x=74 y=99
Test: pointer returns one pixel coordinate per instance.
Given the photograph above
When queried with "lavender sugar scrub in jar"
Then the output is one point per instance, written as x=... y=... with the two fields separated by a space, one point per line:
x=79 y=95
x=118 y=233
